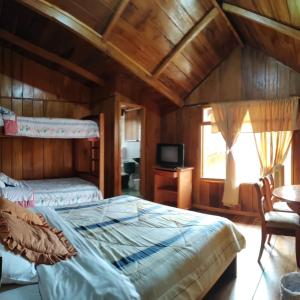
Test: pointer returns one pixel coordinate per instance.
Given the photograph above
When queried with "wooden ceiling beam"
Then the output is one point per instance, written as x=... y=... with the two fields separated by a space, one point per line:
x=185 y=41
x=282 y=28
x=114 y=19
x=216 y=5
x=86 y=33
x=19 y=42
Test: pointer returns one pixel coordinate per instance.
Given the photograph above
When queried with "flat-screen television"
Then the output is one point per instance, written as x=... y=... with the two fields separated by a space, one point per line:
x=170 y=155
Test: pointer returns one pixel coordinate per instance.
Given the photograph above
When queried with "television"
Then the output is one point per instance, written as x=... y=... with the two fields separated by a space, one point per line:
x=170 y=155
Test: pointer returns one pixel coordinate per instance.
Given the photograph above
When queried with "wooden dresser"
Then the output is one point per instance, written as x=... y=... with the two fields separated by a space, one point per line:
x=173 y=186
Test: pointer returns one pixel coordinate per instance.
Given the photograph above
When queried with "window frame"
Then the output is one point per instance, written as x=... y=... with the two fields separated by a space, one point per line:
x=207 y=179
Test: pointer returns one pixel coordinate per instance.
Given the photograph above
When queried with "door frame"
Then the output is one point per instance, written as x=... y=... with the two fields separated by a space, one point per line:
x=126 y=101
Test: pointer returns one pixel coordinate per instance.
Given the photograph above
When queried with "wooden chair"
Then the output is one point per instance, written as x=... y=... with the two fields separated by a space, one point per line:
x=274 y=203
x=275 y=222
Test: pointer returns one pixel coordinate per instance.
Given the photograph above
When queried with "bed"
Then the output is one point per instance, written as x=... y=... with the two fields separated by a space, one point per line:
x=165 y=252
x=85 y=166
x=47 y=127
x=53 y=192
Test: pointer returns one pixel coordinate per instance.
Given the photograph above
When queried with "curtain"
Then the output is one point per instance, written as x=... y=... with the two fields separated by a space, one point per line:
x=228 y=118
x=273 y=122
x=272 y=148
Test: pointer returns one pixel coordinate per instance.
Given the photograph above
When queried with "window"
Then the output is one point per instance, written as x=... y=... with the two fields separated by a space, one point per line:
x=244 y=150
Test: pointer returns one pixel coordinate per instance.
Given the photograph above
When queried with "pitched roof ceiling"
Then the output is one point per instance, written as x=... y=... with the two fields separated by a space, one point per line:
x=167 y=47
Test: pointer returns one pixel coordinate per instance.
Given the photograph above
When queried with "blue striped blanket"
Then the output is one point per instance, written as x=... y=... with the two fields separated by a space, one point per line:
x=167 y=253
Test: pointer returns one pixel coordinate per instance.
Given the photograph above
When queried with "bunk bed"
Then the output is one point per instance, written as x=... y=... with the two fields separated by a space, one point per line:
x=87 y=182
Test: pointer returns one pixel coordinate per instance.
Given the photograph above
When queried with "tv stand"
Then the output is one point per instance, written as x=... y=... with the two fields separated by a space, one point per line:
x=173 y=186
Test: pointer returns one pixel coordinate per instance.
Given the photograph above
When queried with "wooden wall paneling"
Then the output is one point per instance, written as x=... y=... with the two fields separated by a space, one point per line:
x=17 y=65
x=17 y=144
x=6 y=81
x=27 y=79
x=216 y=190
x=6 y=145
x=245 y=198
x=38 y=144
x=152 y=137
x=296 y=160
x=132 y=125
x=203 y=193
x=27 y=155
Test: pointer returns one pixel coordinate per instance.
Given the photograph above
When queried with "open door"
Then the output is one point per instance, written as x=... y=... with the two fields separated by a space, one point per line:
x=132 y=121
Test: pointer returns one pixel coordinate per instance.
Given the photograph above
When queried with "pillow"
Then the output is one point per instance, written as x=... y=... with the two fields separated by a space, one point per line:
x=21 y=212
x=16 y=269
x=39 y=244
x=8 y=181
x=2 y=184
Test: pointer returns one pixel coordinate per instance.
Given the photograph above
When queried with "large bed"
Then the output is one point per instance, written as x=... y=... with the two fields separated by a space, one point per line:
x=165 y=252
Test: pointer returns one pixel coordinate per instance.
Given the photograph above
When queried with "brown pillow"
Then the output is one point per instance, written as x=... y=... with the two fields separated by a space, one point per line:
x=39 y=244
x=21 y=212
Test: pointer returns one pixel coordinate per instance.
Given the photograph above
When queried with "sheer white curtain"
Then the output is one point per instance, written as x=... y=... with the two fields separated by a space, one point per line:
x=229 y=118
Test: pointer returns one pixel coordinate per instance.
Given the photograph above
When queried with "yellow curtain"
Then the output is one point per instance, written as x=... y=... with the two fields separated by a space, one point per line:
x=229 y=119
x=272 y=148
x=273 y=122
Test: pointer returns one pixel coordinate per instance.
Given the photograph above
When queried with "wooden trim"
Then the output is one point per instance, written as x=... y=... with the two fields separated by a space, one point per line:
x=226 y=210
x=61 y=17
x=60 y=100
x=101 y=154
x=114 y=19
x=284 y=29
x=15 y=40
x=185 y=41
x=216 y=5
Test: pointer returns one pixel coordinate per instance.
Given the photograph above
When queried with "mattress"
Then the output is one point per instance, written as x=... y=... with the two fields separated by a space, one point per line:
x=54 y=192
x=51 y=128
x=167 y=253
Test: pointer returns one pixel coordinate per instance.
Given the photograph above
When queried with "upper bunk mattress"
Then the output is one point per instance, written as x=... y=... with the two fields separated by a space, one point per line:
x=54 y=192
x=52 y=128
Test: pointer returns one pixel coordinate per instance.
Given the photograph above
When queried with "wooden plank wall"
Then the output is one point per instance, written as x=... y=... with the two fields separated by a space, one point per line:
x=109 y=106
x=247 y=74
x=30 y=89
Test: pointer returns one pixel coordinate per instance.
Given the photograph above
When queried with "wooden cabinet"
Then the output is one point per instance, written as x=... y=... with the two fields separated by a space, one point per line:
x=173 y=186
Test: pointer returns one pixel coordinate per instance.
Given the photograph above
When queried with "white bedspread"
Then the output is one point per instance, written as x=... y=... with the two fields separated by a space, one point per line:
x=85 y=276
x=54 y=192
x=167 y=253
x=54 y=128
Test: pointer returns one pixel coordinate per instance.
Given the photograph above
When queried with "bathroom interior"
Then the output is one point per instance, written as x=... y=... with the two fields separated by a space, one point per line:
x=130 y=128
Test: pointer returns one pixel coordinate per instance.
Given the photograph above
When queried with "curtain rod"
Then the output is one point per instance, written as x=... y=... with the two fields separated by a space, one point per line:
x=208 y=103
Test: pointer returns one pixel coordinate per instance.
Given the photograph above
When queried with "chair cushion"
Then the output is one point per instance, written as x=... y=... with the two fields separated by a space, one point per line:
x=281 y=206
x=282 y=220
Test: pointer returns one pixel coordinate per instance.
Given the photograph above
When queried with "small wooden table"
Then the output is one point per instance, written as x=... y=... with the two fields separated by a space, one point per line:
x=290 y=194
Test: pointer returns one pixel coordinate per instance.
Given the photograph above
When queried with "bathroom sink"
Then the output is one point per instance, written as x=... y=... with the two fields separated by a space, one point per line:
x=137 y=159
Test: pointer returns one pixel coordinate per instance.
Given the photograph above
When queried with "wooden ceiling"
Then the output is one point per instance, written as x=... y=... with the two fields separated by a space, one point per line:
x=162 y=48
x=272 y=26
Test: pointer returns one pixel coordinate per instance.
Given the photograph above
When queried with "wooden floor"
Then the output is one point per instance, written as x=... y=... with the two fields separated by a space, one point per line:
x=254 y=281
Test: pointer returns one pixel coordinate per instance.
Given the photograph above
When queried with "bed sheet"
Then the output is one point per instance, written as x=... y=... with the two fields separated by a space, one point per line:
x=167 y=253
x=52 y=128
x=53 y=192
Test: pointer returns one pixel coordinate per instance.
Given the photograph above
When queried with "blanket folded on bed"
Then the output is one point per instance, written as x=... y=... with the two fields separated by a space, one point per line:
x=85 y=276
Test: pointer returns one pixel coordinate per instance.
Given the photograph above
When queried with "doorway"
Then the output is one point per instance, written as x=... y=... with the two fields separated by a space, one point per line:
x=131 y=125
